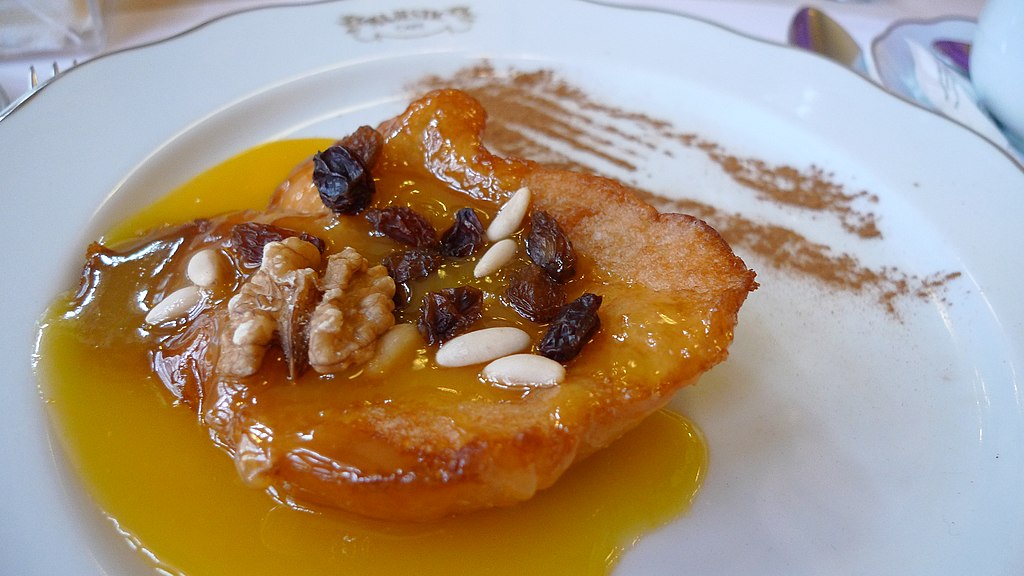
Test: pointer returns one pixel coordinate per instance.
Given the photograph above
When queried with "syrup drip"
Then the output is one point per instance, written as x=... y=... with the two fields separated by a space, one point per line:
x=176 y=497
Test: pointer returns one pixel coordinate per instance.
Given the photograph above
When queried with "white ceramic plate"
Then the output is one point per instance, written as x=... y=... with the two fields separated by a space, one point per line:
x=844 y=439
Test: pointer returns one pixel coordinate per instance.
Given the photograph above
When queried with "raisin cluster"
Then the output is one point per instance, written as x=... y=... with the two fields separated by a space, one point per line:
x=425 y=253
x=536 y=291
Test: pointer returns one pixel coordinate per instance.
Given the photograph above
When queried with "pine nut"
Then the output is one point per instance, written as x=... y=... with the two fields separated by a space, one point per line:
x=529 y=370
x=206 y=268
x=482 y=346
x=510 y=216
x=399 y=341
x=496 y=256
x=175 y=305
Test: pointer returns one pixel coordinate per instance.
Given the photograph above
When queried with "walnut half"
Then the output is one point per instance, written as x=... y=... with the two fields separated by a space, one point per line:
x=280 y=300
x=354 y=313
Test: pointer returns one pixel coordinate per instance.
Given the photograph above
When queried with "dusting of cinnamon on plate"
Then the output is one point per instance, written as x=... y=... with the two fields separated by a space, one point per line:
x=787 y=250
x=811 y=189
x=539 y=115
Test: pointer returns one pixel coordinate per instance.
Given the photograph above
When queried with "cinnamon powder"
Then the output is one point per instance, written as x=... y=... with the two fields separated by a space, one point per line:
x=537 y=115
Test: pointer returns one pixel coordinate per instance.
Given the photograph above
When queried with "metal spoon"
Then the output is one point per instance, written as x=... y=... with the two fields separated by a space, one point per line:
x=813 y=30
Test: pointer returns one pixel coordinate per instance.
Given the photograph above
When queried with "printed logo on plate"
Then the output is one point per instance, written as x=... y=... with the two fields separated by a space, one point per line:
x=408 y=23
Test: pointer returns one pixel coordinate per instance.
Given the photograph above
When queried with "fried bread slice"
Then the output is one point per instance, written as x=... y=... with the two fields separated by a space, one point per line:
x=423 y=442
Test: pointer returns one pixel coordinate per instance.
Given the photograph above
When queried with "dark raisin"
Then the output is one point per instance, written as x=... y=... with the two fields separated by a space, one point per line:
x=574 y=326
x=402 y=224
x=249 y=238
x=549 y=247
x=365 y=144
x=449 y=312
x=465 y=237
x=533 y=294
x=407 y=265
x=344 y=182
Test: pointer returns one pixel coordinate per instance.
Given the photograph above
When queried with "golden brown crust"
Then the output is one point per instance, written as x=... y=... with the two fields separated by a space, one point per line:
x=632 y=239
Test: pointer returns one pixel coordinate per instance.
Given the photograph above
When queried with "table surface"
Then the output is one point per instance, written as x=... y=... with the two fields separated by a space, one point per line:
x=131 y=23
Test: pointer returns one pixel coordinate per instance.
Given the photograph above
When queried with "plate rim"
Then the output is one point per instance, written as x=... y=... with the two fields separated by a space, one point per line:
x=323 y=2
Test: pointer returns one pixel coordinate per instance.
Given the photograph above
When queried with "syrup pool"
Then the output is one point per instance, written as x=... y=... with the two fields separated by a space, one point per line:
x=152 y=469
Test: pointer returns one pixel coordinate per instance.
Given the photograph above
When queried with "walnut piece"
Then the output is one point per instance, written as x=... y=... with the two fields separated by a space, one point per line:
x=354 y=313
x=278 y=299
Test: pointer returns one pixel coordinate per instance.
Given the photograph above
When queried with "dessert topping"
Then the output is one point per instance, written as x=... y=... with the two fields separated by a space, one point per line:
x=510 y=216
x=533 y=294
x=574 y=326
x=402 y=224
x=465 y=237
x=177 y=304
x=528 y=370
x=549 y=247
x=278 y=298
x=449 y=312
x=496 y=256
x=206 y=268
x=343 y=180
x=399 y=343
x=355 y=312
x=365 y=144
x=481 y=346
x=407 y=265
x=249 y=238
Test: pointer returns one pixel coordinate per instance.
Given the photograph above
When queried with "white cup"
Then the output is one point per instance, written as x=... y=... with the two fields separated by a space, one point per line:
x=997 y=64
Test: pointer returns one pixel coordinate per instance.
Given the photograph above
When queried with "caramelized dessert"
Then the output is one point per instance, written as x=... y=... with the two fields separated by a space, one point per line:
x=415 y=327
